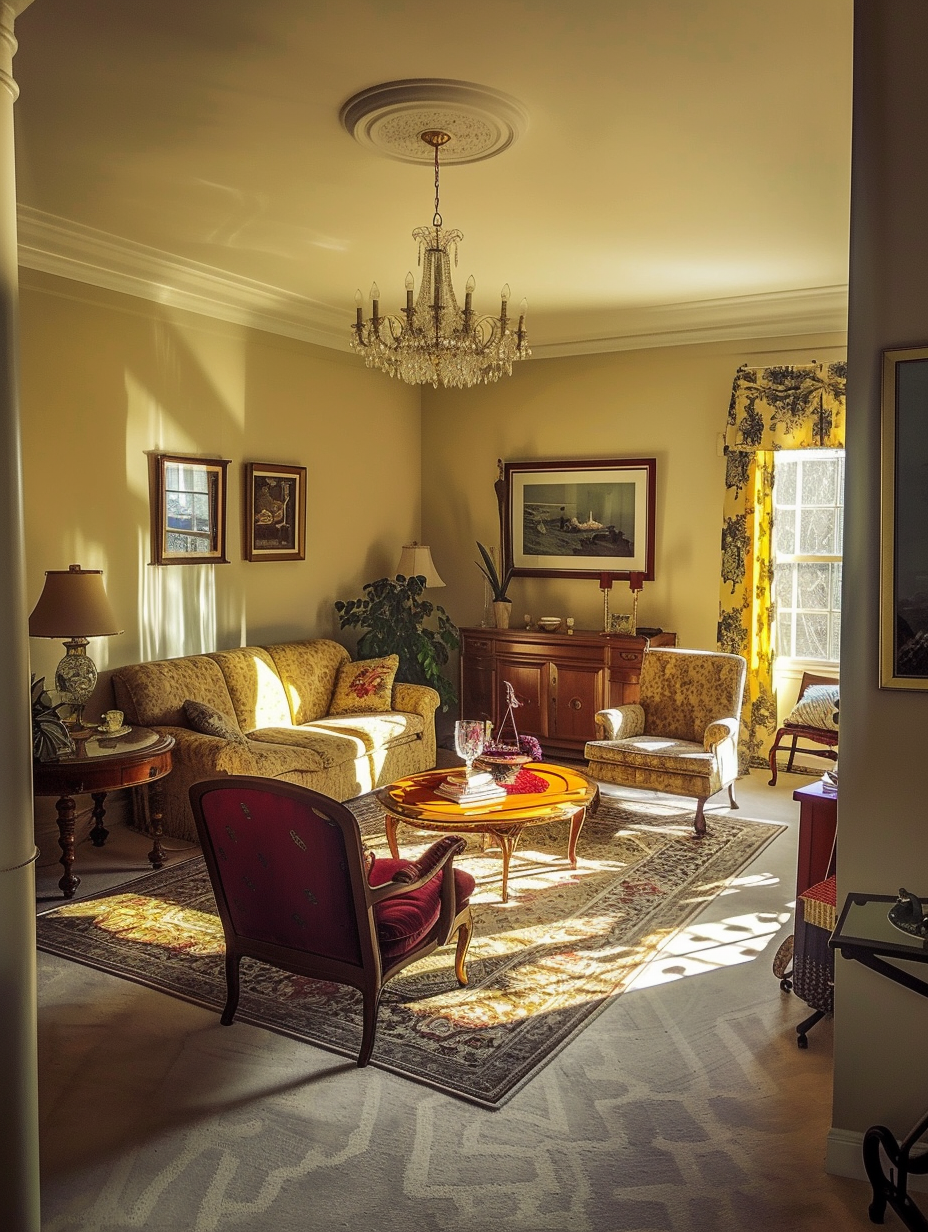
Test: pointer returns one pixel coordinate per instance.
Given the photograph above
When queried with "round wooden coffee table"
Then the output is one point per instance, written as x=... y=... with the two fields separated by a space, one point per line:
x=568 y=797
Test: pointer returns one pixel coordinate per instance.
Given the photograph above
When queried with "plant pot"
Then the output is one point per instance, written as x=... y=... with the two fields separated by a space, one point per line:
x=504 y=767
x=502 y=609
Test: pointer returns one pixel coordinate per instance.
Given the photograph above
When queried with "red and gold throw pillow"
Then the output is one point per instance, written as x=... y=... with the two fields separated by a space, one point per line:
x=365 y=687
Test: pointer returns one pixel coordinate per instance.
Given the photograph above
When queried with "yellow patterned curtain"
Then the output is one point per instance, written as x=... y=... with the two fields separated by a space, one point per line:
x=795 y=407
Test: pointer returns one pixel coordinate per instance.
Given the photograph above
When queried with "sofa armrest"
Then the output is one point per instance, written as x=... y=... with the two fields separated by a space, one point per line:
x=620 y=722
x=416 y=699
x=719 y=730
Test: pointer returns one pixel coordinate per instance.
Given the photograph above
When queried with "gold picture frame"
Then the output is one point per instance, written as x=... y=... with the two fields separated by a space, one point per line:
x=275 y=512
x=903 y=508
x=188 y=510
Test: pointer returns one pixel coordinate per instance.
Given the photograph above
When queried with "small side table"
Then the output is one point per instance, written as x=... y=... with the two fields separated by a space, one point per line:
x=98 y=765
x=864 y=934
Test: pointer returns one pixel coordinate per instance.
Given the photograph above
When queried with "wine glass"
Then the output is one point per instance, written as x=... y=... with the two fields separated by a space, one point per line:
x=470 y=736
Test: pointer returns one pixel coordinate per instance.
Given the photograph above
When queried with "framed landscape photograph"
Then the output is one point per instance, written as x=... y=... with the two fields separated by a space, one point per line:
x=275 y=512
x=579 y=519
x=188 y=510
x=903 y=518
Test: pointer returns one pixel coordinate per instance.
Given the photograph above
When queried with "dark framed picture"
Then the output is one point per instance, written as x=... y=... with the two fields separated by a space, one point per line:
x=579 y=519
x=188 y=510
x=275 y=512
x=903 y=519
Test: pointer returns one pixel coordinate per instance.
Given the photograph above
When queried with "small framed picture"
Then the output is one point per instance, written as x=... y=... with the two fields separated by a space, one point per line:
x=188 y=510
x=275 y=512
x=622 y=623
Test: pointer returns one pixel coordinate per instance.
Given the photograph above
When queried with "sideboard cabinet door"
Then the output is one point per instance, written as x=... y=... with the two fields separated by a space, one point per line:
x=560 y=680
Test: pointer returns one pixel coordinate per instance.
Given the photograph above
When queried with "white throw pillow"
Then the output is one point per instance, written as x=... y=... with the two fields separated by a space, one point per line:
x=816 y=708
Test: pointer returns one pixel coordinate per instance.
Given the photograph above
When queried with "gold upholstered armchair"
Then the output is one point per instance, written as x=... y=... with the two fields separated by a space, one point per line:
x=682 y=736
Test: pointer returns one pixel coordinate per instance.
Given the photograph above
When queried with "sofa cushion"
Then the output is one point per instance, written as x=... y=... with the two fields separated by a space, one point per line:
x=256 y=690
x=153 y=694
x=210 y=722
x=346 y=737
x=654 y=753
x=403 y=921
x=307 y=671
x=365 y=687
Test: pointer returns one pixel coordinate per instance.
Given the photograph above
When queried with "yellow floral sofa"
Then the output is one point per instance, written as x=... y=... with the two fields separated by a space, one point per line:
x=681 y=737
x=278 y=698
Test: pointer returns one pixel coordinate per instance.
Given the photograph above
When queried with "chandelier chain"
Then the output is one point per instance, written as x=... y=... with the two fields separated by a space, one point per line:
x=436 y=220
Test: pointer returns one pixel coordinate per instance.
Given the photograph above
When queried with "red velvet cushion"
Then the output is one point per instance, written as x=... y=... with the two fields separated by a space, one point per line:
x=403 y=921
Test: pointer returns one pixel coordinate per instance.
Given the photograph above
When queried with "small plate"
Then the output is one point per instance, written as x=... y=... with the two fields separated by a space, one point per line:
x=120 y=731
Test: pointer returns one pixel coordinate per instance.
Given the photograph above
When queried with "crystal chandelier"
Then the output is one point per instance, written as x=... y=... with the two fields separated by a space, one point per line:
x=435 y=341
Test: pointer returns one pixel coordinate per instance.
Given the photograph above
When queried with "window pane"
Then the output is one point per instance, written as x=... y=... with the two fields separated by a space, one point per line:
x=814 y=587
x=783 y=580
x=784 y=491
x=819 y=480
x=817 y=531
x=836 y=587
x=812 y=640
x=784 y=532
x=785 y=634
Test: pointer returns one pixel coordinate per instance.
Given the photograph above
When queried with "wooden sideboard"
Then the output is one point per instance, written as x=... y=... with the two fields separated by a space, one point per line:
x=561 y=679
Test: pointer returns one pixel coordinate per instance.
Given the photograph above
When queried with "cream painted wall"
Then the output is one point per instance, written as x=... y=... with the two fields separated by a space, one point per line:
x=668 y=403
x=107 y=378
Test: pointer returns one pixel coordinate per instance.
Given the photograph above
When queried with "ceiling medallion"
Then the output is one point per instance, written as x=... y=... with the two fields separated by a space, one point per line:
x=389 y=118
x=433 y=340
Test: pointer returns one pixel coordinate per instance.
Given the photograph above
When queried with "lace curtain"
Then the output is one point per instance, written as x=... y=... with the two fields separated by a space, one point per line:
x=795 y=407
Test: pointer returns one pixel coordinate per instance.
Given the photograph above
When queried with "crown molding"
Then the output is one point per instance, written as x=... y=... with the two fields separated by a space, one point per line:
x=773 y=314
x=55 y=245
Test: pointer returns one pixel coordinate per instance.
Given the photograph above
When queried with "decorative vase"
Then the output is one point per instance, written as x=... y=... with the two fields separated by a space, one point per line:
x=502 y=609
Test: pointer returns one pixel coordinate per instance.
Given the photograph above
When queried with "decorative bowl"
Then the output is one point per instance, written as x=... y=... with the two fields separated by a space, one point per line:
x=504 y=767
x=550 y=624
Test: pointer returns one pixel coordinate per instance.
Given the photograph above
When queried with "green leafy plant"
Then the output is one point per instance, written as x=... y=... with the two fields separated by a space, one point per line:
x=50 y=737
x=393 y=615
x=489 y=571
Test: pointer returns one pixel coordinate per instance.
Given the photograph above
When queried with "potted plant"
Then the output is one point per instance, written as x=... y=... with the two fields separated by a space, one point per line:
x=393 y=615
x=502 y=606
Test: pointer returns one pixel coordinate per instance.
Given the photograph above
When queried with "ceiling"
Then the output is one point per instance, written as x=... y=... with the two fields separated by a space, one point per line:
x=684 y=172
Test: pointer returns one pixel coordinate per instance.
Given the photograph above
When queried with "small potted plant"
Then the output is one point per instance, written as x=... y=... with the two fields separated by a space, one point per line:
x=502 y=606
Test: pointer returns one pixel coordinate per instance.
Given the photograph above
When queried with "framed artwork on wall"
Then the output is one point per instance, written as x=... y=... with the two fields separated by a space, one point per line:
x=578 y=518
x=275 y=512
x=188 y=510
x=903 y=518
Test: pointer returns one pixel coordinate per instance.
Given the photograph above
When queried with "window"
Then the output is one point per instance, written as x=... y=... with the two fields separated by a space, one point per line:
x=808 y=534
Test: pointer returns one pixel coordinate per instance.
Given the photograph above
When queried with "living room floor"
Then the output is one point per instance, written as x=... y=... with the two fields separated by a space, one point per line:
x=685 y=1105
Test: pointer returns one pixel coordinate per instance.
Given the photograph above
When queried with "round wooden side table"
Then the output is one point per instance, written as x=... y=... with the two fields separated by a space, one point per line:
x=101 y=764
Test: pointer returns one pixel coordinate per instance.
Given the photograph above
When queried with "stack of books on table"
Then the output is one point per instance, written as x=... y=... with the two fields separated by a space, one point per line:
x=473 y=789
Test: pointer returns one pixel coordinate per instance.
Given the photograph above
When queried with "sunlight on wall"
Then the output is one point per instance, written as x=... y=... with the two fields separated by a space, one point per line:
x=148 y=427
x=177 y=607
x=220 y=361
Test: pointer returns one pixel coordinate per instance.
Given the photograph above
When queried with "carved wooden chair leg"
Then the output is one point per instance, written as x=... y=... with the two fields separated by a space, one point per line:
x=731 y=796
x=371 y=1007
x=700 y=818
x=465 y=932
x=772 y=781
x=792 y=754
x=232 y=987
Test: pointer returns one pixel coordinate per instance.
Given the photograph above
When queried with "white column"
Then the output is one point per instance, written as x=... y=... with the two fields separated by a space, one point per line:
x=19 y=1153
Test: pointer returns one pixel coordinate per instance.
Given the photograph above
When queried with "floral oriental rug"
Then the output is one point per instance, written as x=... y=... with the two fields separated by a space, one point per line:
x=540 y=966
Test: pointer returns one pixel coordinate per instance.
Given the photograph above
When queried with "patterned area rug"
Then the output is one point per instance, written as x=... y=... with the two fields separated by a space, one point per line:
x=541 y=966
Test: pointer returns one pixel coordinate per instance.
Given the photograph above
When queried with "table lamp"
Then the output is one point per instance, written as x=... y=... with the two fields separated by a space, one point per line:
x=416 y=561
x=74 y=606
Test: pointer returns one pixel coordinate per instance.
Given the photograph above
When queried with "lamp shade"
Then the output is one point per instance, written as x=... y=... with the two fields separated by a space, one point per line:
x=416 y=561
x=73 y=603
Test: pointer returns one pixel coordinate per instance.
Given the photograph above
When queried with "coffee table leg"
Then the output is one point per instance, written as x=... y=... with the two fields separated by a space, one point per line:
x=99 y=832
x=155 y=812
x=576 y=825
x=507 y=845
x=65 y=807
x=389 y=824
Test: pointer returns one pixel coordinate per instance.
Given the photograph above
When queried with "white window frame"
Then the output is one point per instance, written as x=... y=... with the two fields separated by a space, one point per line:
x=790 y=665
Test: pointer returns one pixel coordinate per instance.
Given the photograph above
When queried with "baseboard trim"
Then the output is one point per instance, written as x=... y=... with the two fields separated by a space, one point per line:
x=844 y=1157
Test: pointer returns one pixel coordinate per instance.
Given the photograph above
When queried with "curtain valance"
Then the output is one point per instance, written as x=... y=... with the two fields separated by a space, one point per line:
x=800 y=406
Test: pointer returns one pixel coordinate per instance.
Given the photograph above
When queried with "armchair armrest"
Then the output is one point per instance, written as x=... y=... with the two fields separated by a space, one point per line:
x=719 y=730
x=621 y=722
x=418 y=872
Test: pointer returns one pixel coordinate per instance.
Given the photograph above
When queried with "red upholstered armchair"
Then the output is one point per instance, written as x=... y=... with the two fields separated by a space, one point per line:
x=295 y=889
